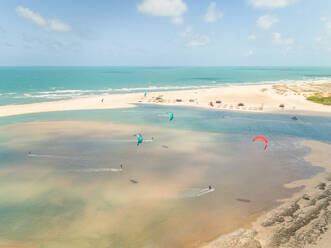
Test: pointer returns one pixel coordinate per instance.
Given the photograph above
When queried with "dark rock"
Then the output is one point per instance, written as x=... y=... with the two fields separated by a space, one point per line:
x=321 y=186
x=306 y=197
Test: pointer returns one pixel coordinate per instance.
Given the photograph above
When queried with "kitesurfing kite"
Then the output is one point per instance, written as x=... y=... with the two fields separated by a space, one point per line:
x=263 y=139
x=139 y=139
x=211 y=104
x=171 y=116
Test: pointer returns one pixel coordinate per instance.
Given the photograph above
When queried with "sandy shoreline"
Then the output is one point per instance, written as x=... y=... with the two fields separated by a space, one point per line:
x=253 y=98
x=304 y=220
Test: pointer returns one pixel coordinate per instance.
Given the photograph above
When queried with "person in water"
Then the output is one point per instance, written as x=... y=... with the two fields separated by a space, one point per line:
x=209 y=187
x=121 y=166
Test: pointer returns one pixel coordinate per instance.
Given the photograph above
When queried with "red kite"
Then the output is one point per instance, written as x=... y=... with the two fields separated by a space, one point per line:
x=262 y=138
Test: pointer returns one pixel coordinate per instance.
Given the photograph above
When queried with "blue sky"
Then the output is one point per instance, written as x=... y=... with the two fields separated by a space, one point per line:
x=165 y=32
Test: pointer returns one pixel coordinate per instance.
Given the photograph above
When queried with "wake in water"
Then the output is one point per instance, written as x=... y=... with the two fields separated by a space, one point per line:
x=50 y=156
x=95 y=170
x=163 y=115
x=195 y=192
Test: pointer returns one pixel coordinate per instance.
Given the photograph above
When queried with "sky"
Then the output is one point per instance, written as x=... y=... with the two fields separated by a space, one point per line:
x=165 y=33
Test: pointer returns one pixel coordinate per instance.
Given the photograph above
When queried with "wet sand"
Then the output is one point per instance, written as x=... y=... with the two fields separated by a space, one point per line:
x=46 y=201
x=304 y=220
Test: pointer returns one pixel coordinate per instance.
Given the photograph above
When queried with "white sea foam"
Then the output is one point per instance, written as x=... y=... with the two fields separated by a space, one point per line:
x=96 y=170
x=78 y=93
x=50 y=156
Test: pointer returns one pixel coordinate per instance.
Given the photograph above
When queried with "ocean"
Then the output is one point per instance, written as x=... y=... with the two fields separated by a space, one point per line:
x=20 y=85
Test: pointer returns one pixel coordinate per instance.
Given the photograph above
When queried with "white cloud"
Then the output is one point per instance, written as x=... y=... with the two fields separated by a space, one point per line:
x=324 y=18
x=279 y=40
x=213 y=14
x=251 y=37
x=319 y=39
x=191 y=38
x=59 y=25
x=267 y=21
x=249 y=53
x=324 y=40
x=327 y=21
x=34 y=17
x=271 y=4
x=164 y=8
x=42 y=22
x=177 y=20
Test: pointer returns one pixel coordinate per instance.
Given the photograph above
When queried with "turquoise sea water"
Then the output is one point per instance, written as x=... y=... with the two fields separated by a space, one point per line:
x=36 y=84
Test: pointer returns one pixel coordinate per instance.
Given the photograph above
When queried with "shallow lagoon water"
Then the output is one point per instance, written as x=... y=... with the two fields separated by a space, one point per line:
x=195 y=119
x=64 y=193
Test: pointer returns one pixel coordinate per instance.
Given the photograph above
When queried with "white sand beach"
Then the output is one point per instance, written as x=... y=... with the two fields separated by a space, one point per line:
x=271 y=98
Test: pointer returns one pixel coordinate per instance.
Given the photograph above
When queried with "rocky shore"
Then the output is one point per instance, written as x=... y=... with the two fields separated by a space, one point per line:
x=300 y=222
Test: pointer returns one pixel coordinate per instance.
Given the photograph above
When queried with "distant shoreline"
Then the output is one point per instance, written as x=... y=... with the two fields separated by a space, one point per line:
x=260 y=98
x=59 y=94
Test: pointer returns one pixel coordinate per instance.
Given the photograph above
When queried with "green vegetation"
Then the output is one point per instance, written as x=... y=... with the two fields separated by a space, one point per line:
x=320 y=99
